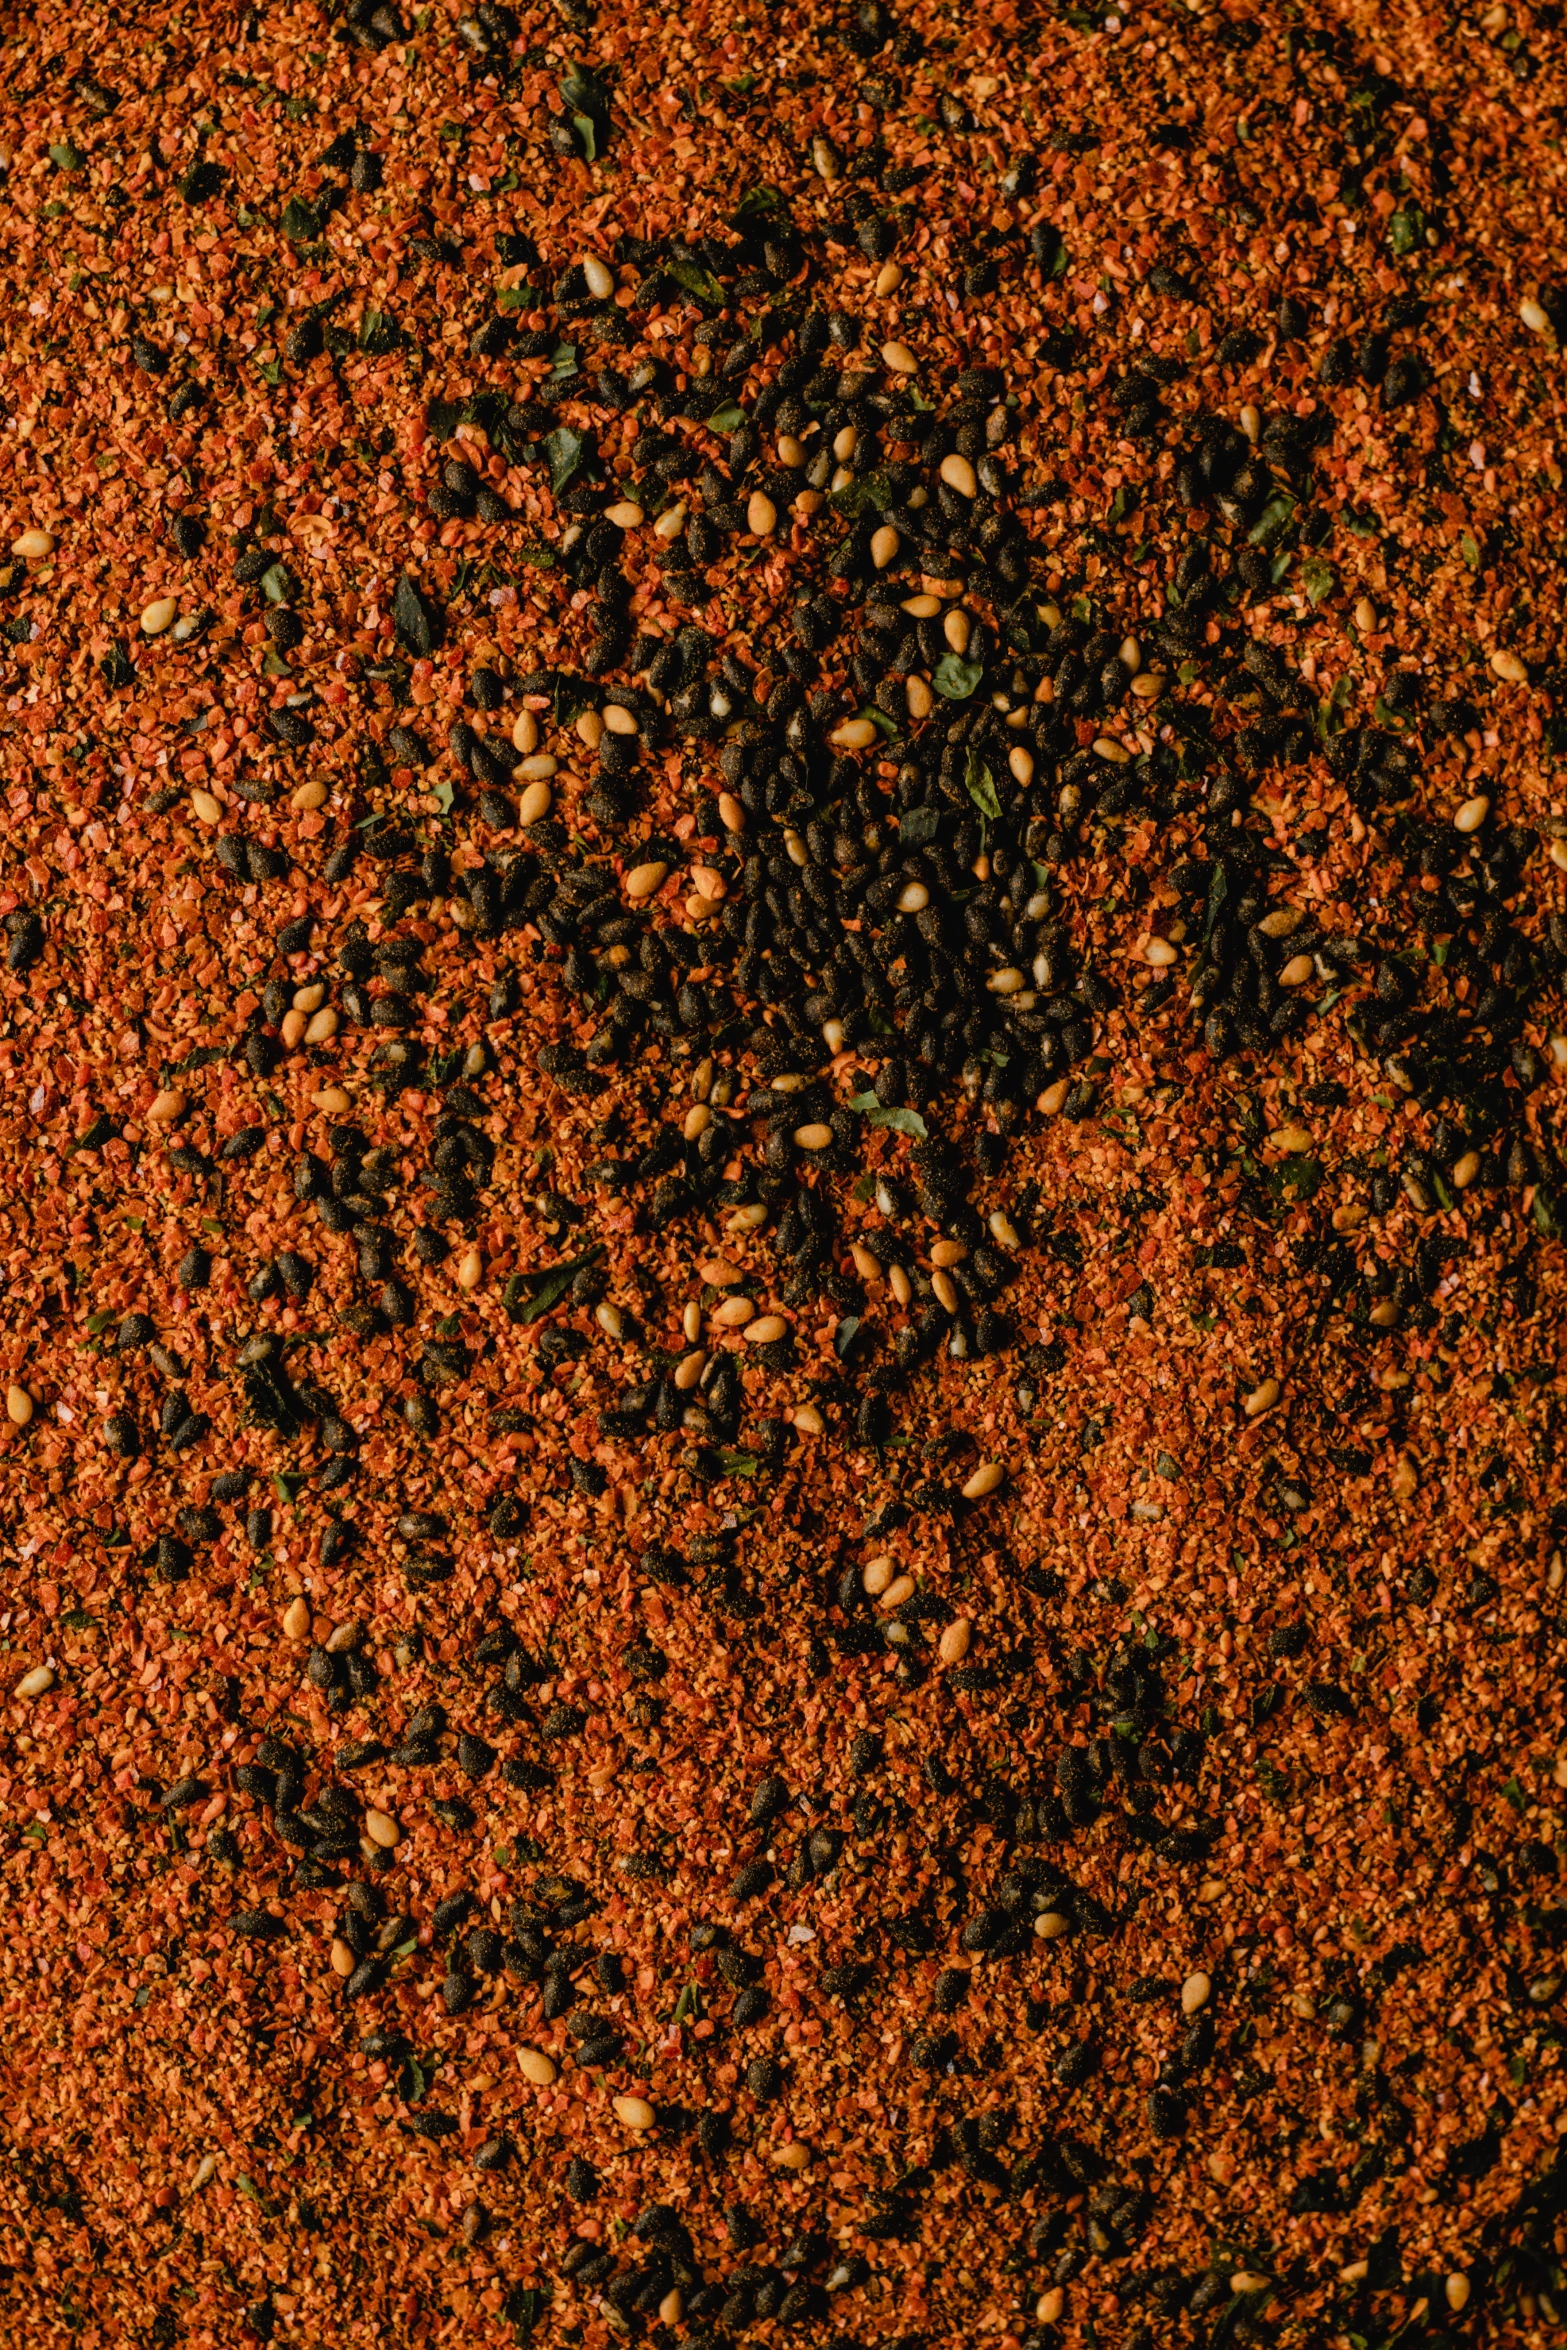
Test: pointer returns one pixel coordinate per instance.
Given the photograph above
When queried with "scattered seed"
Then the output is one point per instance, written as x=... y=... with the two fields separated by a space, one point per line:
x=953 y=1646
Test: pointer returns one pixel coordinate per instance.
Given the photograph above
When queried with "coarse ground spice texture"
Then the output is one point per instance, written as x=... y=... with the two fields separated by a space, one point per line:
x=784 y=891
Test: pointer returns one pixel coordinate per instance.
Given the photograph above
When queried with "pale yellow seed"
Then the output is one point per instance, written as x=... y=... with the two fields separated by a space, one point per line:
x=826 y=159
x=205 y=808
x=159 y=615
x=734 y=1313
x=1262 y=1398
x=166 y=1107
x=536 y=2067
x=1195 y=1992
x=1251 y=423
x=1160 y=953
x=1456 y=2291
x=1296 y=971
x=1510 y=667
x=1534 y=318
x=815 y=1136
x=888 y=279
x=794 y=2156
x=671 y=522
x=308 y=795
x=898 y=1590
x=761 y=515
x=1281 y=922
x=599 y=277
x=1106 y=747
x=1051 y=1924
x=382 y=1829
x=696 y=1121
x=808 y=1419
x=672 y=2308
x=1365 y=615
x=959 y=475
x=947 y=1293
x=948 y=1252
x=855 y=734
x=1356 y=2273
x=34 y=1684
x=1472 y=814
x=918 y=696
x=913 y=898
x=540 y=764
x=1020 y=762
x=470 y=1269
x=719 y=1273
x=1249 y=2280
x=884 y=546
x=311 y=997
x=619 y=721
x=1349 y=1218
x=730 y=813
x=899 y=1283
x=643 y=880
x=1406 y=1478
x=1048 y=2308
x=296 y=1618
x=332 y=1099
x=921 y=607
x=625 y=514
x=877 y=1574
x=1007 y=981
x=18 y=1405
x=1465 y=1170
x=635 y=2112
x=899 y=358
x=1131 y=655
x=691 y=1320
x=689 y=1370
x=1052 y=1100
x=764 y=1330
x=1149 y=685
x=1003 y=1230
x=525 y=733
x=1384 y=1315
x=343 y=1959
x=33 y=545
x=535 y=803
x=984 y=1480
x=322 y=1026
x=956 y=629
x=293 y=1029
x=790 y=451
x=590 y=728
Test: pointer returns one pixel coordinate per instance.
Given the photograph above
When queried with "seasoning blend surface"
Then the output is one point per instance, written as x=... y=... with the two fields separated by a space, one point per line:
x=783 y=1034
